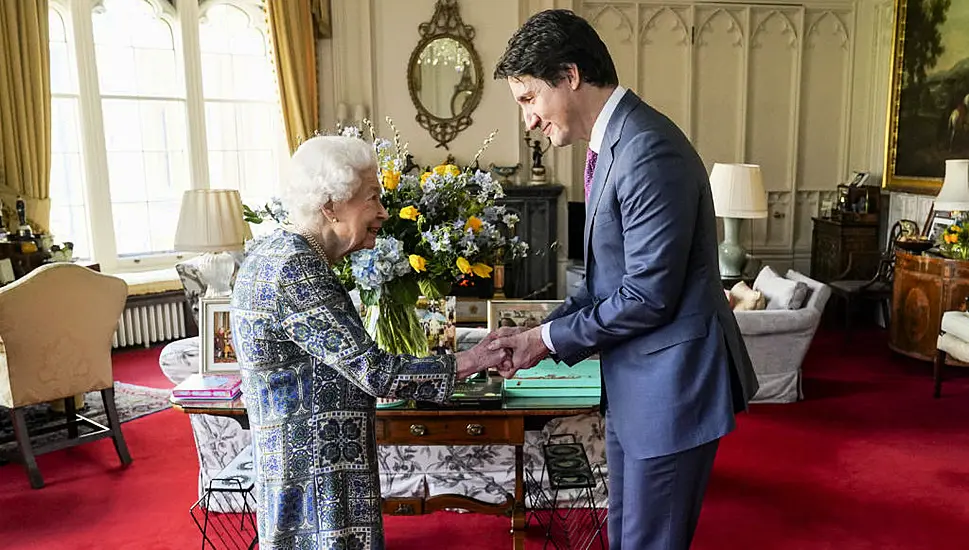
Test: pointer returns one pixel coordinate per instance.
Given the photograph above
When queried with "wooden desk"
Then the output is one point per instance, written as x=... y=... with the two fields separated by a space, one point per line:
x=412 y=426
x=924 y=288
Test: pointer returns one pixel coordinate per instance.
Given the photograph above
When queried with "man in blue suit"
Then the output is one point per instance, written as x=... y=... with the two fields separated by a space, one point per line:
x=674 y=366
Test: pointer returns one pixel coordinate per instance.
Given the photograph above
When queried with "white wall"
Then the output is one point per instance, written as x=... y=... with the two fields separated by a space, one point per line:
x=835 y=79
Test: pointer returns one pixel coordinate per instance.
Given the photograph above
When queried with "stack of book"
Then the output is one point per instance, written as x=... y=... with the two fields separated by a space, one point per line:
x=199 y=389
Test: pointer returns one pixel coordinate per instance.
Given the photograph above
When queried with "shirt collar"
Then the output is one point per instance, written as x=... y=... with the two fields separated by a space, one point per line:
x=599 y=128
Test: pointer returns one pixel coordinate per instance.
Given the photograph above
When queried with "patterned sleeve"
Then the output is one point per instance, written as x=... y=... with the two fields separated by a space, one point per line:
x=320 y=318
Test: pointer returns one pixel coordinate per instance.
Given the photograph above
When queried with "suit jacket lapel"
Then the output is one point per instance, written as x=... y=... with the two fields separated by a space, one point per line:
x=604 y=165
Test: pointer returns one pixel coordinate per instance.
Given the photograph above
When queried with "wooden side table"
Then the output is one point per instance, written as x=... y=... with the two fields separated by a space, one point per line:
x=832 y=243
x=925 y=287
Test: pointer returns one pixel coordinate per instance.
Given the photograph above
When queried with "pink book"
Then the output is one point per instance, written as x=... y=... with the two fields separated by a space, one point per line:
x=218 y=386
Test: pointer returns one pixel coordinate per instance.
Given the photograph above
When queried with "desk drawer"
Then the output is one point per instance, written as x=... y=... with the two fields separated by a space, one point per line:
x=450 y=430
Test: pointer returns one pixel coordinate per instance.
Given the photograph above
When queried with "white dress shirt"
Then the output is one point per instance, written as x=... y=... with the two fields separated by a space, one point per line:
x=595 y=143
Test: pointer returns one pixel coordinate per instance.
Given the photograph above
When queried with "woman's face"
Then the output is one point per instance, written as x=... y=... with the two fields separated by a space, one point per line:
x=360 y=217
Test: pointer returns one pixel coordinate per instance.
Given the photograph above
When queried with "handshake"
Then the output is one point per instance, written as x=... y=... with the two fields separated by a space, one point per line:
x=508 y=349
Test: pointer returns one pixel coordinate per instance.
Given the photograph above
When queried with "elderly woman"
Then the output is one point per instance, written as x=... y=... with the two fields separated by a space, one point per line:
x=310 y=371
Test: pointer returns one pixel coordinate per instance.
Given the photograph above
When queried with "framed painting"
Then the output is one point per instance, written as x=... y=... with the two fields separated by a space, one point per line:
x=519 y=313
x=217 y=350
x=928 y=115
x=437 y=317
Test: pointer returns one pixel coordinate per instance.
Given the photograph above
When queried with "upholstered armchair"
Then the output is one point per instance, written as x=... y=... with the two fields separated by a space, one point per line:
x=56 y=325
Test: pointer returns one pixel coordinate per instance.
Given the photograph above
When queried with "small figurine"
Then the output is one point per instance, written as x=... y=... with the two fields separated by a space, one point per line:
x=538 y=169
x=23 y=229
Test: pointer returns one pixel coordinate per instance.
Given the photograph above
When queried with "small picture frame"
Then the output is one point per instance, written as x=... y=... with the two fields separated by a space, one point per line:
x=519 y=313
x=940 y=222
x=438 y=319
x=216 y=348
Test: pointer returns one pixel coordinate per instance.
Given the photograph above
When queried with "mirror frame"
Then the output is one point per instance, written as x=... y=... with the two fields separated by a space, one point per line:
x=445 y=23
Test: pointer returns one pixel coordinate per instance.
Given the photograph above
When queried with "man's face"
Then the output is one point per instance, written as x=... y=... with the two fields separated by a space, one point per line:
x=551 y=109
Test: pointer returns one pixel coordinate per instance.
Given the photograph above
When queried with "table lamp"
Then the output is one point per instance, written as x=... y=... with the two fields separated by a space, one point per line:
x=211 y=221
x=738 y=194
x=954 y=195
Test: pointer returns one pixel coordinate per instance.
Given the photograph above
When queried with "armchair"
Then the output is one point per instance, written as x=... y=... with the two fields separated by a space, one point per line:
x=56 y=325
x=777 y=341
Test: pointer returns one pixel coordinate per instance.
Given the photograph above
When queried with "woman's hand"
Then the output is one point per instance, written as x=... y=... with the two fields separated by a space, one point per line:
x=480 y=358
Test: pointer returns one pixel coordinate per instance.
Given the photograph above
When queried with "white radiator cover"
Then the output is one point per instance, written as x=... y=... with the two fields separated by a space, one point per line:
x=146 y=325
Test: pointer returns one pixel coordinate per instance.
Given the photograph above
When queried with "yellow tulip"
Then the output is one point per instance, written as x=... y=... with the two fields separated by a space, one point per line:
x=417 y=262
x=474 y=224
x=481 y=270
x=424 y=177
x=447 y=169
x=464 y=265
x=409 y=213
x=391 y=180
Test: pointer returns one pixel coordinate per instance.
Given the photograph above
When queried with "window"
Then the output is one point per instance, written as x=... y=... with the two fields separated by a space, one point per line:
x=68 y=213
x=146 y=67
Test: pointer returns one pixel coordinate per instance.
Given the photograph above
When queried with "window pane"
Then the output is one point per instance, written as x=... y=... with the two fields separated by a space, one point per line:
x=62 y=79
x=131 y=234
x=243 y=122
x=64 y=129
x=69 y=224
x=135 y=50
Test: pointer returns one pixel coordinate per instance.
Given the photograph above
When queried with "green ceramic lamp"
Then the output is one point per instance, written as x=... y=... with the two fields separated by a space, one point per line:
x=738 y=194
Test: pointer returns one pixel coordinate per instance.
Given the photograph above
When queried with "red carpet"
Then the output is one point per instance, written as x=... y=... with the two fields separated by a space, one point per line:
x=868 y=461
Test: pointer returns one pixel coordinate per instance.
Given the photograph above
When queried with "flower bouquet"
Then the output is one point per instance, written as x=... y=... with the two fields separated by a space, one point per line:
x=954 y=241
x=444 y=225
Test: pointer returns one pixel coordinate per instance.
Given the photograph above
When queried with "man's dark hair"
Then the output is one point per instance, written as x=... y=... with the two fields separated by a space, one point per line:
x=549 y=42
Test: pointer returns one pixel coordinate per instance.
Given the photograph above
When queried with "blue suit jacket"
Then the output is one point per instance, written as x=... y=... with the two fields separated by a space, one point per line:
x=674 y=365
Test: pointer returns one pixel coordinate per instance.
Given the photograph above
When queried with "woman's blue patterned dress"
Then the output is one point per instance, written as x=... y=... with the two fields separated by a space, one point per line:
x=310 y=373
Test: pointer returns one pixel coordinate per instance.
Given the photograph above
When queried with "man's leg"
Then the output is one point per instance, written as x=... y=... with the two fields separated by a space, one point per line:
x=614 y=466
x=663 y=497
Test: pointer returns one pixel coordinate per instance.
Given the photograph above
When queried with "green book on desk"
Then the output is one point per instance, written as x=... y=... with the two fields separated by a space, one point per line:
x=551 y=379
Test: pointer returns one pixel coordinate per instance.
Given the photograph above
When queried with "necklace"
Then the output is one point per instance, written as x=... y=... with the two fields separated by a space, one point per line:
x=314 y=243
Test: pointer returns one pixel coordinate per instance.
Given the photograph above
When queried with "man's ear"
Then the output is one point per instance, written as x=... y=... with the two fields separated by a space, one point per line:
x=572 y=76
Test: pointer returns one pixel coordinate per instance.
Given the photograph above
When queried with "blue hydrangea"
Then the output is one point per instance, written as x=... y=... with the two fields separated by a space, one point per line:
x=386 y=262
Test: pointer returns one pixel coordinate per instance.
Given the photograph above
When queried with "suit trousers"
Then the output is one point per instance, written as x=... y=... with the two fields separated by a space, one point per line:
x=654 y=503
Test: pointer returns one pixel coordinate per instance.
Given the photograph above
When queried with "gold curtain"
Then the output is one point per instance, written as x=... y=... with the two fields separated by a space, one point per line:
x=293 y=28
x=25 y=105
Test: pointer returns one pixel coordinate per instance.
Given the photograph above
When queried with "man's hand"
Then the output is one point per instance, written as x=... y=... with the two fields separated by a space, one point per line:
x=527 y=348
x=482 y=357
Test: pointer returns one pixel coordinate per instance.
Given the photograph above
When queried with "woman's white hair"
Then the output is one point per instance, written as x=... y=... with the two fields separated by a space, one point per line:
x=324 y=169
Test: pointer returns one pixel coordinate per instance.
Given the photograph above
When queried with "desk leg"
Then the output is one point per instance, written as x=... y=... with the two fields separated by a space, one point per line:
x=518 y=515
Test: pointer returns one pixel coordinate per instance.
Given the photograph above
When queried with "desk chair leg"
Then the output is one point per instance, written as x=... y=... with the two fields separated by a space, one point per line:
x=107 y=395
x=937 y=372
x=70 y=411
x=26 y=451
x=886 y=313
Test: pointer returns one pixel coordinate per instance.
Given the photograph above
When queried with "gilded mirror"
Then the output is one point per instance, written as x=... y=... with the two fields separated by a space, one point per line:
x=444 y=74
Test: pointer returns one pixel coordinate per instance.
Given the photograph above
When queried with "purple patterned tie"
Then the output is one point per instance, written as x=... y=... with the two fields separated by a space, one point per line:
x=590 y=169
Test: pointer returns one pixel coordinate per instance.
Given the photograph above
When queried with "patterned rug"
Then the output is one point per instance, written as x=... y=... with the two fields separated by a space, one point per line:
x=132 y=402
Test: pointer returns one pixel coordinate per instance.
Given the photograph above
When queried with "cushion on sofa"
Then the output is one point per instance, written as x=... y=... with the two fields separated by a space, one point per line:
x=780 y=293
x=744 y=298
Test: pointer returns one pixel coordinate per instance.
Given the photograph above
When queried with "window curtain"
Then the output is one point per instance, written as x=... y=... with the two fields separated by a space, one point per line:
x=25 y=110
x=294 y=26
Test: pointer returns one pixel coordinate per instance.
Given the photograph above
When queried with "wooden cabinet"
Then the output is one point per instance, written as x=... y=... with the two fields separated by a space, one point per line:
x=832 y=243
x=536 y=276
x=925 y=287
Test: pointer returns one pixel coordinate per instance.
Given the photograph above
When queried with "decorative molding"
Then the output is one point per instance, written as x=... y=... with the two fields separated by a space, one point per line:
x=625 y=25
x=814 y=31
x=788 y=29
x=650 y=23
x=733 y=28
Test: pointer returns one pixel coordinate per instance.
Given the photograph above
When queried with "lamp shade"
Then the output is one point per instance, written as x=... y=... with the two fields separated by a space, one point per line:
x=954 y=194
x=738 y=191
x=211 y=221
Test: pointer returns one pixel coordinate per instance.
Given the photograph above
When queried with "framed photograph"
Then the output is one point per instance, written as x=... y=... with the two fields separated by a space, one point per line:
x=928 y=115
x=940 y=222
x=216 y=349
x=519 y=313
x=471 y=311
x=438 y=318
